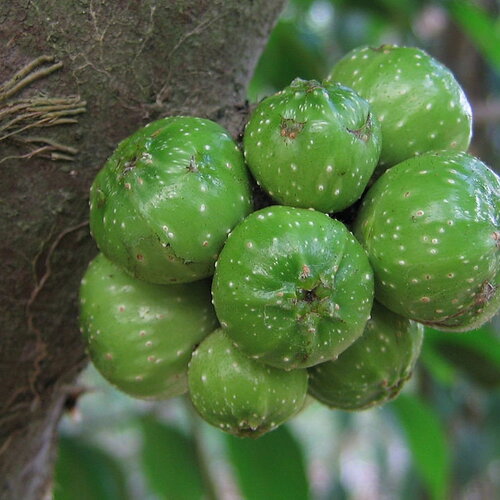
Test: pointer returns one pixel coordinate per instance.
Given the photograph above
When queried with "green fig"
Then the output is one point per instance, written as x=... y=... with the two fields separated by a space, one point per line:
x=163 y=204
x=313 y=145
x=292 y=287
x=140 y=335
x=419 y=103
x=374 y=369
x=240 y=395
x=431 y=227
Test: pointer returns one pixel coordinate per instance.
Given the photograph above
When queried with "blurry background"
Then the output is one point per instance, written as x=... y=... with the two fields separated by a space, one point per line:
x=440 y=439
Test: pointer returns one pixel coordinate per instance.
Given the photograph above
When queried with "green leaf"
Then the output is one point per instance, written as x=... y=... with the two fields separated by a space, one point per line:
x=84 y=472
x=484 y=340
x=170 y=462
x=270 y=467
x=427 y=443
x=483 y=30
x=441 y=369
x=475 y=353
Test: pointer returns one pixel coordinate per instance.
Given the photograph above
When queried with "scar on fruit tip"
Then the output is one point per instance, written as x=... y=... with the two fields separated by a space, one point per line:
x=306 y=272
x=364 y=132
x=486 y=293
x=291 y=128
x=496 y=237
x=192 y=167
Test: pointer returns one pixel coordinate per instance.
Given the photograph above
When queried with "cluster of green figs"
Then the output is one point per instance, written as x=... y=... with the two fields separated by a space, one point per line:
x=378 y=222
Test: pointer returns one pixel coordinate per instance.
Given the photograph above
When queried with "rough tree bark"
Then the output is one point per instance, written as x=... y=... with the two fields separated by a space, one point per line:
x=75 y=78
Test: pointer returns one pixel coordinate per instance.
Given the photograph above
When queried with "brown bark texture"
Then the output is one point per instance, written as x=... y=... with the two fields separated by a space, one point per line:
x=76 y=77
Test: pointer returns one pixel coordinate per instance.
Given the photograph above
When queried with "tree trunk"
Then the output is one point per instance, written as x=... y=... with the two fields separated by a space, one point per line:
x=76 y=77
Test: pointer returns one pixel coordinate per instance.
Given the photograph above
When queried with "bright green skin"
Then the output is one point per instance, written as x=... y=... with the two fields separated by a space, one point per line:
x=139 y=335
x=164 y=203
x=292 y=287
x=420 y=105
x=374 y=369
x=431 y=227
x=239 y=395
x=313 y=145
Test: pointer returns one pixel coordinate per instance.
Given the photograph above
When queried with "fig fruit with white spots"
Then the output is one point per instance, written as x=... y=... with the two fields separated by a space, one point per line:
x=431 y=227
x=292 y=287
x=313 y=145
x=165 y=201
x=140 y=335
x=419 y=103
x=240 y=395
x=374 y=369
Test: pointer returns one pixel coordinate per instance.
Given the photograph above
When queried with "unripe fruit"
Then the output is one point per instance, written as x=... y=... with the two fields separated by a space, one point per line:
x=374 y=369
x=431 y=227
x=420 y=105
x=163 y=204
x=313 y=145
x=140 y=336
x=239 y=395
x=292 y=287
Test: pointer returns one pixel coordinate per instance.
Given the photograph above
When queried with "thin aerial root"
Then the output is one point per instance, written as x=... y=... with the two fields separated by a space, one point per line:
x=25 y=76
x=21 y=115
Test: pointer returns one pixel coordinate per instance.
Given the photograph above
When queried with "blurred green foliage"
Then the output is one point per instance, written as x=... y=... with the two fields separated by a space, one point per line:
x=169 y=461
x=427 y=442
x=440 y=439
x=269 y=467
x=86 y=471
x=483 y=29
